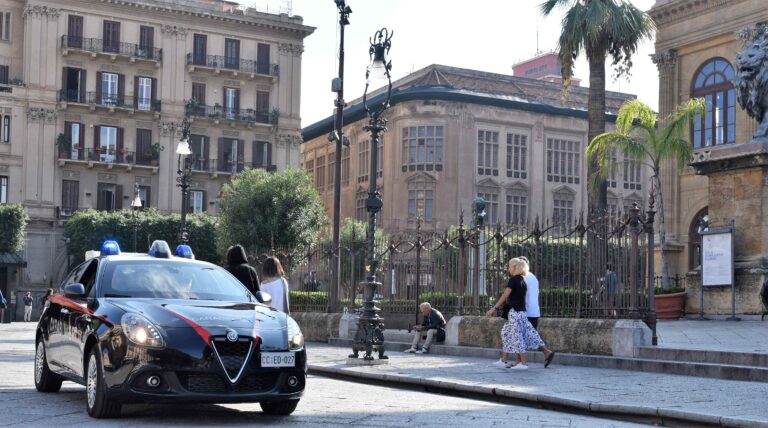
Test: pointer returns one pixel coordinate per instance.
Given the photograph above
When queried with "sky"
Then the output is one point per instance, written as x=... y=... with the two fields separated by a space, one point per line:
x=490 y=37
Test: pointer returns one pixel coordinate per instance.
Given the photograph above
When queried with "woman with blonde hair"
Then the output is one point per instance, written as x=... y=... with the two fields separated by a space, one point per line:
x=274 y=282
x=518 y=335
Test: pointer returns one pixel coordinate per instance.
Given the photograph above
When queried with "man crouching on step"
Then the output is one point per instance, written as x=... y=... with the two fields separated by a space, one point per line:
x=432 y=328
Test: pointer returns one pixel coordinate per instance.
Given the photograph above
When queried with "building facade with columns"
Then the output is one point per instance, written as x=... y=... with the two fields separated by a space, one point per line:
x=93 y=92
x=696 y=45
x=454 y=134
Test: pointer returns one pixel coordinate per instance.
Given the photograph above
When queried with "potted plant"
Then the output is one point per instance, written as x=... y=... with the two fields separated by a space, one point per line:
x=274 y=116
x=64 y=143
x=154 y=153
x=670 y=302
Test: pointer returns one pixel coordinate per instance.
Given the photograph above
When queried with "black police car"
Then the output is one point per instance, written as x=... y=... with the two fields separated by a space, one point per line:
x=160 y=328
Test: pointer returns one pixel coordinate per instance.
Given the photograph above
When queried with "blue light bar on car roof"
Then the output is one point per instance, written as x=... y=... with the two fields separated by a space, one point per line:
x=110 y=248
x=184 y=251
x=160 y=250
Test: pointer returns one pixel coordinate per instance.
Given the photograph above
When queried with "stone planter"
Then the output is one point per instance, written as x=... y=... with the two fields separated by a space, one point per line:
x=670 y=306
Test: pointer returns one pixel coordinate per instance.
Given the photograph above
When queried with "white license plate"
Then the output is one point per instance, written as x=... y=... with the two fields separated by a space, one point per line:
x=278 y=359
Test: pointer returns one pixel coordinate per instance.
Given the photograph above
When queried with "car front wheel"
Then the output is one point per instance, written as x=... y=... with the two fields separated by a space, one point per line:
x=282 y=408
x=45 y=379
x=99 y=406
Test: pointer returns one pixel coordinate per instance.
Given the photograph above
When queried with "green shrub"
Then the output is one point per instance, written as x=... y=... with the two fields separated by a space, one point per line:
x=670 y=290
x=13 y=221
x=87 y=230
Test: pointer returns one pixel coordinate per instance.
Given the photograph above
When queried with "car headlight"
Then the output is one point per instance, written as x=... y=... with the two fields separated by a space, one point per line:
x=142 y=331
x=295 y=338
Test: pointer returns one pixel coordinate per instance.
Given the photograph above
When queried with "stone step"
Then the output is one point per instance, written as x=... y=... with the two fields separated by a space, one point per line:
x=752 y=359
x=683 y=368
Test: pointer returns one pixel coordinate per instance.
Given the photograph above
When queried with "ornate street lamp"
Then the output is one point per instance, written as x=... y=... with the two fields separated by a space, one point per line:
x=135 y=205
x=337 y=137
x=184 y=173
x=370 y=327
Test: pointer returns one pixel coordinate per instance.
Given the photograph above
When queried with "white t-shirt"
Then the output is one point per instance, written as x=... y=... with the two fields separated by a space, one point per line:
x=532 y=296
x=276 y=288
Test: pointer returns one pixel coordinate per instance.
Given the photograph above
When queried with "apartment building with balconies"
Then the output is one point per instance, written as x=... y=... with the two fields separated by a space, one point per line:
x=93 y=93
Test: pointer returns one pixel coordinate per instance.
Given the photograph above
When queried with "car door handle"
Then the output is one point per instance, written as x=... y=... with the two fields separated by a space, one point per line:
x=64 y=310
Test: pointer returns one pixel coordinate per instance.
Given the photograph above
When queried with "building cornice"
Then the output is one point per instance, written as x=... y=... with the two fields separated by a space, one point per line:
x=674 y=11
x=175 y=9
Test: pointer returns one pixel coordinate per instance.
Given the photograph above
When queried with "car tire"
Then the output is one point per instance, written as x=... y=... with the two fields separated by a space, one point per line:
x=45 y=379
x=98 y=404
x=281 y=408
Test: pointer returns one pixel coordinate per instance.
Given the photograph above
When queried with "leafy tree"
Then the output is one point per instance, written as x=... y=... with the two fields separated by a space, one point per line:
x=88 y=229
x=262 y=210
x=354 y=246
x=600 y=28
x=13 y=221
x=639 y=137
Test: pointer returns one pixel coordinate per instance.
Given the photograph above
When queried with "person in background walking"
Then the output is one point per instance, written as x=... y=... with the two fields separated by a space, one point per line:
x=531 y=296
x=28 y=307
x=3 y=305
x=237 y=265
x=274 y=282
x=518 y=335
x=432 y=326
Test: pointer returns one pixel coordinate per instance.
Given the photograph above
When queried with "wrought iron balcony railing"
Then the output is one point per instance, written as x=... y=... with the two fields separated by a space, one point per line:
x=226 y=113
x=106 y=99
x=233 y=63
x=112 y=47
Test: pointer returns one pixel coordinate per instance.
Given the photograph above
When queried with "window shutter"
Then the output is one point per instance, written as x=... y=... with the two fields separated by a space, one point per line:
x=119 y=197
x=82 y=138
x=64 y=73
x=240 y=155
x=237 y=101
x=99 y=77
x=120 y=157
x=136 y=92
x=258 y=154
x=154 y=92
x=100 y=202
x=205 y=202
x=83 y=74
x=121 y=89
x=220 y=152
x=147 y=196
x=269 y=154
x=207 y=149
x=96 y=136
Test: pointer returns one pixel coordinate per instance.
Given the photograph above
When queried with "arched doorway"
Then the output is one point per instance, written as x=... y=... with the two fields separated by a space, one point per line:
x=699 y=221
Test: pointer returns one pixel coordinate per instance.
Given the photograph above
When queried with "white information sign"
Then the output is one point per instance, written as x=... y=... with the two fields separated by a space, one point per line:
x=717 y=258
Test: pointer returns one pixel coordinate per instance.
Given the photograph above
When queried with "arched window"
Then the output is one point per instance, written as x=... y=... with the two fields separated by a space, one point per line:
x=713 y=83
x=694 y=238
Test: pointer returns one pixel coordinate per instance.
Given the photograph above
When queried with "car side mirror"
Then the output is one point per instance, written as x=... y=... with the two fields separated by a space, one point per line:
x=74 y=291
x=264 y=297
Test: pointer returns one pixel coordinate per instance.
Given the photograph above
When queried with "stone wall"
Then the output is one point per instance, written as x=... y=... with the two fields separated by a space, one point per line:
x=584 y=336
x=317 y=327
x=717 y=300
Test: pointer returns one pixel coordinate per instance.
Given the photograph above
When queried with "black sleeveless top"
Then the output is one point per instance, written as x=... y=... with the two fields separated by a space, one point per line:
x=517 y=297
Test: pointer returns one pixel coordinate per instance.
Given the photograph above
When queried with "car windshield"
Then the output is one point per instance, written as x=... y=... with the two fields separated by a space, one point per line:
x=171 y=280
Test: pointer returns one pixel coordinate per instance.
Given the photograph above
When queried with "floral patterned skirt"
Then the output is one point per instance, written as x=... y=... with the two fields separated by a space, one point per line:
x=518 y=335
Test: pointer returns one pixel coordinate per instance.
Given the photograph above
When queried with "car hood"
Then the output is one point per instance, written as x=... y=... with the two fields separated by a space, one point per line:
x=212 y=318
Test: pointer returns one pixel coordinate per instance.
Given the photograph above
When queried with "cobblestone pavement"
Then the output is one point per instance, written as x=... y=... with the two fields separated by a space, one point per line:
x=327 y=402
x=714 y=335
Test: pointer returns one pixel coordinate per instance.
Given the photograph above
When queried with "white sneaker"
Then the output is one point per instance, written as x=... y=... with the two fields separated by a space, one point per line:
x=500 y=363
x=423 y=351
x=410 y=351
x=519 y=366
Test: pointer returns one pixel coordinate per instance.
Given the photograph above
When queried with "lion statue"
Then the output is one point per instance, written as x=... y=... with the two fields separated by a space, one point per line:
x=751 y=80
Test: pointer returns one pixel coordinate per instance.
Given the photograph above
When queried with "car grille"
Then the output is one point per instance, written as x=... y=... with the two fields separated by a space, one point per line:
x=233 y=355
x=208 y=383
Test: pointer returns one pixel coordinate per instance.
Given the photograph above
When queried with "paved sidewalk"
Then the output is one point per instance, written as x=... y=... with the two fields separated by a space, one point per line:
x=655 y=397
x=714 y=335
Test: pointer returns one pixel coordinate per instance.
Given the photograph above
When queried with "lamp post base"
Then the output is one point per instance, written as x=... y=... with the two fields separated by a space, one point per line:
x=370 y=328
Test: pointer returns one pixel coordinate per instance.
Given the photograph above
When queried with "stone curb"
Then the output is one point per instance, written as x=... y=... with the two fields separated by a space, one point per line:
x=674 y=367
x=640 y=412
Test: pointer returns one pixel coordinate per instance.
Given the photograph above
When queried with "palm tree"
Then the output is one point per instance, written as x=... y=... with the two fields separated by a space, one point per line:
x=600 y=28
x=639 y=137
